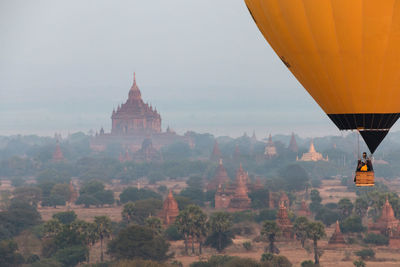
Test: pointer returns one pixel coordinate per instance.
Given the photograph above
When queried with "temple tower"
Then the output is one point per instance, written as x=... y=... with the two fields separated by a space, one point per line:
x=216 y=154
x=284 y=222
x=293 y=144
x=240 y=200
x=337 y=238
x=58 y=155
x=220 y=177
x=270 y=149
x=170 y=209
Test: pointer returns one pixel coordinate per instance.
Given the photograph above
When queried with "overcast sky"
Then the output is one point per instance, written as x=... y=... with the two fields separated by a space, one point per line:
x=64 y=65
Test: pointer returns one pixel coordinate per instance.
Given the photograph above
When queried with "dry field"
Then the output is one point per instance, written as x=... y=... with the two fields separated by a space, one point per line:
x=332 y=257
x=332 y=191
x=86 y=214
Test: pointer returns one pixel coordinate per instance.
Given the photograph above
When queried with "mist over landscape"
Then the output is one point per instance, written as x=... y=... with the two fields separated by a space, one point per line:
x=169 y=133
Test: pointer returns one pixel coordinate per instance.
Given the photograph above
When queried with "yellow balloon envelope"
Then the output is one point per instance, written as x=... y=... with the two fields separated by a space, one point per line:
x=346 y=54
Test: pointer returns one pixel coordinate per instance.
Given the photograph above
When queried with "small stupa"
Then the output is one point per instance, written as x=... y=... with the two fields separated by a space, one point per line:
x=337 y=238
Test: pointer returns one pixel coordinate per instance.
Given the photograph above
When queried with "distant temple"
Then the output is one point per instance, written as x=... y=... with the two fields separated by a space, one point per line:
x=147 y=153
x=270 y=149
x=220 y=178
x=276 y=198
x=216 y=153
x=304 y=210
x=386 y=222
x=337 y=238
x=284 y=222
x=133 y=122
x=313 y=155
x=170 y=209
x=254 y=137
x=293 y=144
x=126 y=157
x=234 y=197
x=58 y=155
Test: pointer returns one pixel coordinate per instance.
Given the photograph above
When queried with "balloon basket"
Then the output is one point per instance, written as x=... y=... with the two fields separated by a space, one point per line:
x=365 y=178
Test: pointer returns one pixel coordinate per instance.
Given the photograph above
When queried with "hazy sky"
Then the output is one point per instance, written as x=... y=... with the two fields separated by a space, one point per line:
x=64 y=65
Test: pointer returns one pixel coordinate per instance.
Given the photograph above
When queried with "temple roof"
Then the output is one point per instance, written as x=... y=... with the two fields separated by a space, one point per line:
x=293 y=144
x=134 y=106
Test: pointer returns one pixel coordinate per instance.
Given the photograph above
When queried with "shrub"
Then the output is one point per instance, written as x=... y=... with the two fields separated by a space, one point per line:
x=308 y=263
x=172 y=233
x=247 y=245
x=352 y=224
x=376 y=239
x=359 y=263
x=365 y=254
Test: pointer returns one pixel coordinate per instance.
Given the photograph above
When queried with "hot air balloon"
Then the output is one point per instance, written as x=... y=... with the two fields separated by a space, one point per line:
x=346 y=54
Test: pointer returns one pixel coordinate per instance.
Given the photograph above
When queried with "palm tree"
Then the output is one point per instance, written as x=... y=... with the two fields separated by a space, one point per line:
x=154 y=223
x=129 y=212
x=315 y=231
x=182 y=224
x=300 y=229
x=220 y=223
x=88 y=232
x=270 y=230
x=191 y=222
x=52 y=227
x=103 y=229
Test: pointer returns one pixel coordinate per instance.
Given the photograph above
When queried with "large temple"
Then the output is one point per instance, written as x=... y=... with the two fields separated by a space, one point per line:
x=135 y=116
x=132 y=123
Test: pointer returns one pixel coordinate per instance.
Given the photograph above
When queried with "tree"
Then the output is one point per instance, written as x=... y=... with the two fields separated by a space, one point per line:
x=8 y=254
x=140 y=210
x=133 y=194
x=327 y=216
x=87 y=200
x=103 y=230
x=316 y=200
x=345 y=207
x=315 y=197
x=295 y=177
x=52 y=227
x=300 y=229
x=154 y=224
x=270 y=230
x=137 y=241
x=376 y=239
x=352 y=224
x=30 y=194
x=365 y=254
x=72 y=255
x=220 y=236
x=361 y=207
x=128 y=212
x=359 y=263
x=105 y=197
x=61 y=190
x=92 y=187
x=65 y=217
x=315 y=232
x=191 y=222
